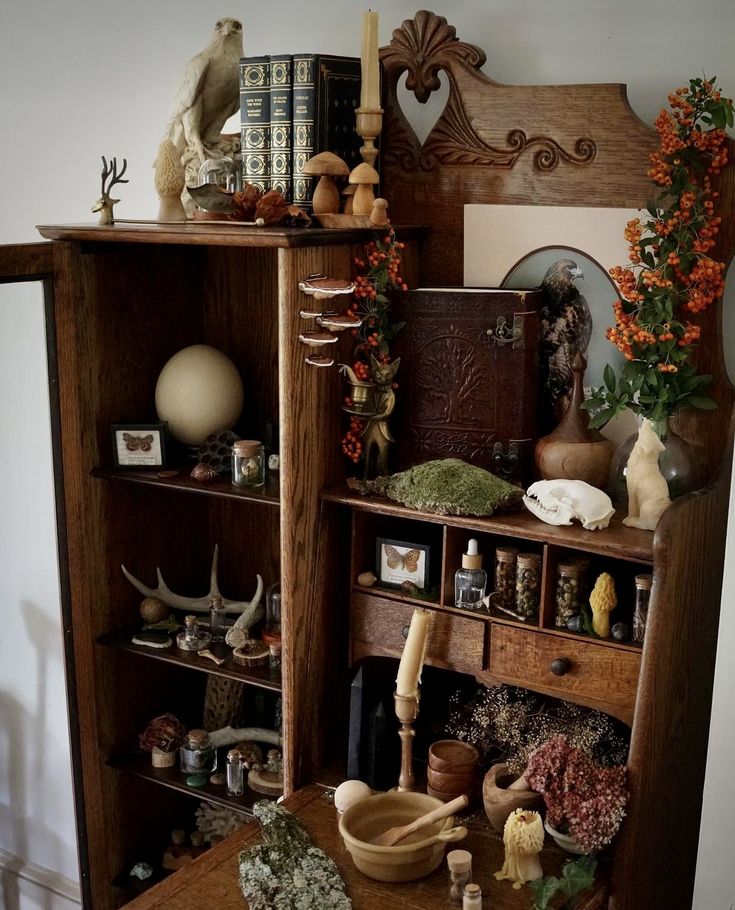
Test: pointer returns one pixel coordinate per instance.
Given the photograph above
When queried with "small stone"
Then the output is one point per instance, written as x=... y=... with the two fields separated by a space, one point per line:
x=575 y=624
x=204 y=473
x=141 y=871
x=621 y=631
x=196 y=780
x=366 y=579
x=218 y=779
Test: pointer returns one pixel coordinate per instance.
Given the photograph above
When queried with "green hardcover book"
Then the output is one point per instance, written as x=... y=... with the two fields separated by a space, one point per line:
x=281 y=123
x=326 y=93
x=255 y=121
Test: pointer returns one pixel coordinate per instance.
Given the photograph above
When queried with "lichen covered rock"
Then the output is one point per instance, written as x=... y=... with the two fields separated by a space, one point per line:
x=287 y=872
x=448 y=486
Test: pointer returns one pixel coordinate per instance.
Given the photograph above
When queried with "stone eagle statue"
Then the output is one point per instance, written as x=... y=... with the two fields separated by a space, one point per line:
x=209 y=93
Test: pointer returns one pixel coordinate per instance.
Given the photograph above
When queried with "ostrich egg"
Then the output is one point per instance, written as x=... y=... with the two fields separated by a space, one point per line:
x=199 y=391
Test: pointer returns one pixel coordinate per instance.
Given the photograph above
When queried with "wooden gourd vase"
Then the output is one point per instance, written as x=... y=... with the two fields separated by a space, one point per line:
x=572 y=451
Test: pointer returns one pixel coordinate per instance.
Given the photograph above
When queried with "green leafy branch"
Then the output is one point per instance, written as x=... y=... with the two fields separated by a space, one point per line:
x=577 y=876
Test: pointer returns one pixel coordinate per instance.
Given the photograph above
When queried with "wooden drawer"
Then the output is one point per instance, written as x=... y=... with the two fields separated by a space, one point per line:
x=602 y=676
x=378 y=625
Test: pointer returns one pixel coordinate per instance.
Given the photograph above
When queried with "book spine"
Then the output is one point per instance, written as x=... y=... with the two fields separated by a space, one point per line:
x=305 y=67
x=281 y=90
x=255 y=121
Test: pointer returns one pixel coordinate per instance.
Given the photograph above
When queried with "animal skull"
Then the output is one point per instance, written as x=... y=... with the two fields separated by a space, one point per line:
x=557 y=502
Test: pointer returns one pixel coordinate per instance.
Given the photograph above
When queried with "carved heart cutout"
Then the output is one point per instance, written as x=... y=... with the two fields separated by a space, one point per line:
x=422 y=118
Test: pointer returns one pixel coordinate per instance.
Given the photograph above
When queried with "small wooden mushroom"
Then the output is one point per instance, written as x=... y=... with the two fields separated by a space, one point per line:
x=379 y=213
x=326 y=166
x=364 y=177
x=348 y=192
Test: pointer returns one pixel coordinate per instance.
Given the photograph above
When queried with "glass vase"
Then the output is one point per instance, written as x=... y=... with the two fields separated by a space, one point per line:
x=676 y=463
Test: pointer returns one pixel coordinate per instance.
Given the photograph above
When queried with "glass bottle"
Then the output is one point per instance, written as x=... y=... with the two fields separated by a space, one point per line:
x=471 y=580
x=192 y=638
x=568 y=593
x=235 y=778
x=197 y=755
x=505 y=578
x=274 y=655
x=272 y=631
x=220 y=171
x=217 y=618
x=472 y=897
x=460 y=873
x=642 y=596
x=248 y=463
x=528 y=585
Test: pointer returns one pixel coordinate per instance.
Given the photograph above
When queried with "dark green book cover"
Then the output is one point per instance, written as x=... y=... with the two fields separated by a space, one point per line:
x=281 y=124
x=326 y=94
x=255 y=121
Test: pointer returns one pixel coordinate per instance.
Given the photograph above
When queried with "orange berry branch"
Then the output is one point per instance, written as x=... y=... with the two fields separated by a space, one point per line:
x=672 y=276
x=378 y=274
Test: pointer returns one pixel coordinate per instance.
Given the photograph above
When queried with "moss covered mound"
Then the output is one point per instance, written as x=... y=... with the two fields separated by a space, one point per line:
x=448 y=486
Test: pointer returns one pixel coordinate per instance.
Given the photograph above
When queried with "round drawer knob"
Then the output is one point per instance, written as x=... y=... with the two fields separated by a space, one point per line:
x=404 y=630
x=560 y=666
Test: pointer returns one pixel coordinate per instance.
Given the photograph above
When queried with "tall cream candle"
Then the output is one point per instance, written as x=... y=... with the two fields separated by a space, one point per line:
x=370 y=65
x=412 y=659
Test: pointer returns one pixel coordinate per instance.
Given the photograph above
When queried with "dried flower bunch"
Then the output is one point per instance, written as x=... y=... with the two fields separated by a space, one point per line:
x=672 y=276
x=506 y=724
x=378 y=274
x=582 y=798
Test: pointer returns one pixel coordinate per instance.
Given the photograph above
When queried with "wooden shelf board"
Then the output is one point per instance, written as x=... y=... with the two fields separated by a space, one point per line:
x=231 y=234
x=139 y=764
x=269 y=494
x=263 y=677
x=615 y=541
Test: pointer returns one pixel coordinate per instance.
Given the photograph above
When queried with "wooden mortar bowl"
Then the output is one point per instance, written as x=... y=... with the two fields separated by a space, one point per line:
x=499 y=802
x=453 y=756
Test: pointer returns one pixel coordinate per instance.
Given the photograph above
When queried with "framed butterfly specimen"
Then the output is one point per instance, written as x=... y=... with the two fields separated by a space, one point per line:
x=398 y=562
x=140 y=445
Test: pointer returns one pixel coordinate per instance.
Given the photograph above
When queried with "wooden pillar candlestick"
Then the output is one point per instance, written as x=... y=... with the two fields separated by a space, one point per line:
x=407 y=708
x=369 y=122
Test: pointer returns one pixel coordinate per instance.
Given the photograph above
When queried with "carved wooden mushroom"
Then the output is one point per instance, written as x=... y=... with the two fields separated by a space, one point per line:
x=365 y=177
x=326 y=166
x=348 y=192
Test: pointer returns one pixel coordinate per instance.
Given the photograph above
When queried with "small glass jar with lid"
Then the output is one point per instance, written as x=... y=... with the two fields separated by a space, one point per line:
x=272 y=630
x=235 y=773
x=505 y=579
x=642 y=597
x=192 y=638
x=197 y=755
x=568 y=598
x=528 y=585
x=248 y=463
x=472 y=897
x=460 y=873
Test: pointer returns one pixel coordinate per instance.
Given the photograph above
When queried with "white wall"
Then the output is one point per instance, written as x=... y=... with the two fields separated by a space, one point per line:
x=90 y=77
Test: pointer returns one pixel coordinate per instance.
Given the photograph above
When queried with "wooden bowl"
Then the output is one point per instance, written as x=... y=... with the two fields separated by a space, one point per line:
x=445 y=782
x=452 y=755
x=499 y=802
x=416 y=856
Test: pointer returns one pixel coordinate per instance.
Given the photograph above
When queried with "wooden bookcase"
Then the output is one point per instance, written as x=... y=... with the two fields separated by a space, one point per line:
x=121 y=300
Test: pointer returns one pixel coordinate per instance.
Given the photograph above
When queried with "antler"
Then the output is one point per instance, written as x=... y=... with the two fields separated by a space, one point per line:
x=111 y=170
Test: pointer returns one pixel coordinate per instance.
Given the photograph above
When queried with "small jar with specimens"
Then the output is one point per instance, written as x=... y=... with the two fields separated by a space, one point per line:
x=197 y=755
x=248 y=463
x=192 y=638
x=471 y=580
x=472 y=897
x=460 y=873
x=569 y=593
x=272 y=630
x=217 y=618
x=505 y=579
x=642 y=596
x=235 y=773
x=528 y=585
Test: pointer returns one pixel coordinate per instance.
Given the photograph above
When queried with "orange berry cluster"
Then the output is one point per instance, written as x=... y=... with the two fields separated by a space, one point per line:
x=352 y=442
x=670 y=266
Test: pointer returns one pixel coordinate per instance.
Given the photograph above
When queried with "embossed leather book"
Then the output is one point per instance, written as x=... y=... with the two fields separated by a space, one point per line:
x=468 y=382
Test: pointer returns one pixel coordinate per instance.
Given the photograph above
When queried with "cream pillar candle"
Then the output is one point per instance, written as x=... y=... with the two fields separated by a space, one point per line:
x=370 y=66
x=412 y=659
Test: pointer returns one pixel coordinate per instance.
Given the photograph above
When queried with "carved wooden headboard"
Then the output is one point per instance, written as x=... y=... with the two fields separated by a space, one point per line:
x=544 y=145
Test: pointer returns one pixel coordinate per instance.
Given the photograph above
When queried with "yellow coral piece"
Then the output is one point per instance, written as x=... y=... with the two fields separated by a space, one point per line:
x=603 y=601
x=523 y=837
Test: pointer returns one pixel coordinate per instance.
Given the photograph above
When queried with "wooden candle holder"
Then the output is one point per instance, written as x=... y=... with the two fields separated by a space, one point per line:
x=407 y=709
x=369 y=122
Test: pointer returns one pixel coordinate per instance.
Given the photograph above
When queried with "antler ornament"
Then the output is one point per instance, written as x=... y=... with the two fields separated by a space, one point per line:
x=105 y=203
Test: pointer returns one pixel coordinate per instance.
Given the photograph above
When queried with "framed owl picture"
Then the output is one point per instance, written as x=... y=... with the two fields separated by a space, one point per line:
x=397 y=562
x=141 y=445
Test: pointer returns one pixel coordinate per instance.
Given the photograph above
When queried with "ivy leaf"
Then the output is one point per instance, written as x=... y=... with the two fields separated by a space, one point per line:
x=544 y=889
x=578 y=876
x=704 y=404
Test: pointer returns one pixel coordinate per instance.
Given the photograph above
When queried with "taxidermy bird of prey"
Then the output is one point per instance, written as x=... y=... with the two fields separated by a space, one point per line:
x=209 y=93
x=566 y=327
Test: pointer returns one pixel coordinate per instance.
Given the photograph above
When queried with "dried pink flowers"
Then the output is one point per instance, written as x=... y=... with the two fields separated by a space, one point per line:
x=582 y=798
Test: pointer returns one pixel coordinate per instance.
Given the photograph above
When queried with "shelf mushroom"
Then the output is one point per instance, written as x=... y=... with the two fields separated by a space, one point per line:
x=348 y=192
x=603 y=601
x=326 y=166
x=365 y=177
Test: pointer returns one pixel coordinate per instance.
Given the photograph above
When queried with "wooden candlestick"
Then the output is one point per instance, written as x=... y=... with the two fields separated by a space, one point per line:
x=369 y=122
x=407 y=708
